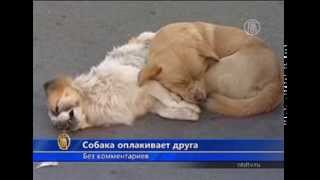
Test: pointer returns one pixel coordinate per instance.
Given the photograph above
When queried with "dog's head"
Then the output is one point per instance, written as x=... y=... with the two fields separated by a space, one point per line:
x=64 y=104
x=182 y=72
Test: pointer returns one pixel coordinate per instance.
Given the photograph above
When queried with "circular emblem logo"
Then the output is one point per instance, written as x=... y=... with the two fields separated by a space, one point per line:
x=64 y=141
x=252 y=27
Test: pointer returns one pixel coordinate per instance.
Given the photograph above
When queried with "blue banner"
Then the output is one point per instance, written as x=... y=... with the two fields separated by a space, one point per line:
x=158 y=150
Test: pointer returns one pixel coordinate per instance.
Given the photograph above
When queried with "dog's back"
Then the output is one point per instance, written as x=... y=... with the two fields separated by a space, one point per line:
x=112 y=85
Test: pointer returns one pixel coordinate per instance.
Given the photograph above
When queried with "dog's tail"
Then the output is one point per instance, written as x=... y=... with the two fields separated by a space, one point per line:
x=265 y=101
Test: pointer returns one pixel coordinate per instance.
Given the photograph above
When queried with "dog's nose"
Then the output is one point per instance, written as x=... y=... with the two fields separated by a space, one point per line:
x=200 y=97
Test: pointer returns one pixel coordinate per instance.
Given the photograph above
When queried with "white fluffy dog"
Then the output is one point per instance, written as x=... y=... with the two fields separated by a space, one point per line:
x=109 y=93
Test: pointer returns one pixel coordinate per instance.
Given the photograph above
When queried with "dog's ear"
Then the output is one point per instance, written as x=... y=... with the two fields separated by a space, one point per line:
x=207 y=52
x=57 y=83
x=47 y=85
x=147 y=73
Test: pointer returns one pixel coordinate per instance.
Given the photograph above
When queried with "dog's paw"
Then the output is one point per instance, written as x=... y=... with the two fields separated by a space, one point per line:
x=182 y=103
x=195 y=108
x=175 y=97
x=187 y=114
x=194 y=116
x=190 y=106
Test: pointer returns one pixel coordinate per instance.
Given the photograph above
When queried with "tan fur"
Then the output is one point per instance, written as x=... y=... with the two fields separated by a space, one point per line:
x=238 y=73
x=57 y=90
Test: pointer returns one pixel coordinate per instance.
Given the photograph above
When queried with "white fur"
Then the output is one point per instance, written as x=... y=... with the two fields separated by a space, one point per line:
x=112 y=96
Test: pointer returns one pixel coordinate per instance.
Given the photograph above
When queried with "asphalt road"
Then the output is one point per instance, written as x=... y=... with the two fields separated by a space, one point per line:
x=70 y=37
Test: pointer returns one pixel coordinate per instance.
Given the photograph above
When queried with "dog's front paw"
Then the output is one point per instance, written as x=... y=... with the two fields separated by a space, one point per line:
x=193 y=107
x=188 y=114
x=183 y=103
x=175 y=97
x=194 y=116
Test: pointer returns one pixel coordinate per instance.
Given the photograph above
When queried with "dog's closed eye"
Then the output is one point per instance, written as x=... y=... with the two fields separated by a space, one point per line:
x=71 y=114
x=69 y=106
x=55 y=111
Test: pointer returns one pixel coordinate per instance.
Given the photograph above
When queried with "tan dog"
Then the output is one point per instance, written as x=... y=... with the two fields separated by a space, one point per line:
x=240 y=75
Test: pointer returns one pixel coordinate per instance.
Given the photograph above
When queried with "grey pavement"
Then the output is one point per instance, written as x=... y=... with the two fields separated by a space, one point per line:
x=70 y=37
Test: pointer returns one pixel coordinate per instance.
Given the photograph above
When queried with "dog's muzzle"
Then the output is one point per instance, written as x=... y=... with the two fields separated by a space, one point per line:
x=64 y=120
